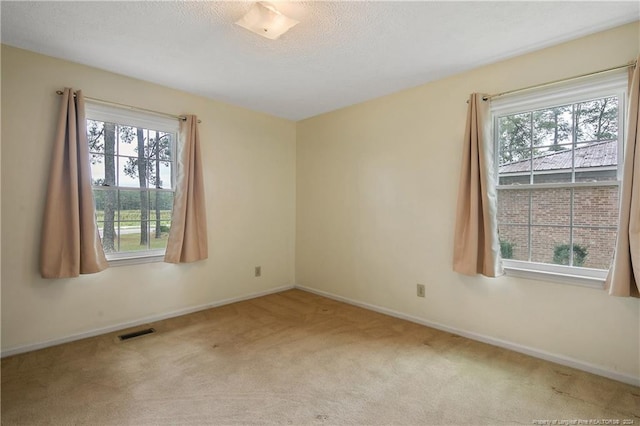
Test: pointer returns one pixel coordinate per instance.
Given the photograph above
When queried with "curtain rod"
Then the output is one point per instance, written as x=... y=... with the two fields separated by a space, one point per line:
x=150 y=111
x=535 y=86
x=562 y=80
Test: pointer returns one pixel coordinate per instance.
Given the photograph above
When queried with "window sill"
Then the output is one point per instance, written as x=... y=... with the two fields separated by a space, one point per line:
x=583 y=277
x=138 y=259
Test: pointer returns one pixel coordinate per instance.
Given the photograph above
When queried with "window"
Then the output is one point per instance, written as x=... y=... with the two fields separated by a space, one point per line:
x=133 y=176
x=557 y=157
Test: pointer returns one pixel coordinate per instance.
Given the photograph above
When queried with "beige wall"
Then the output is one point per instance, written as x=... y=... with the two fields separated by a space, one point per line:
x=249 y=164
x=376 y=196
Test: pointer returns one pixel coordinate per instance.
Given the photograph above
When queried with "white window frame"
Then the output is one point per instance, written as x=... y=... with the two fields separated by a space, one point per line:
x=584 y=89
x=131 y=117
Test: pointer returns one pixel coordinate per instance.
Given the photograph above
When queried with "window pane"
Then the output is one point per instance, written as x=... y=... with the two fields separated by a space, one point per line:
x=127 y=142
x=163 y=202
x=596 y=206
x=134 y=205
x=597 y=176
x=109 y=235
x=102 y=170
x=95 y=136
x=516 y=160
x=513 y=206
x=161 y=178
x=552 y=128
x=514 y=135
x=593 y=247
x=551 y=206
x=597 y=161
x=515 y=167
x=564 y=176
x=159 y=234
x=134 y=236
x=132 y=173
x=514 y=242
x=553 y=165
x=546 y=241
x=596 y=120
x=160 y=145
x=97 y=169
x=106 y=204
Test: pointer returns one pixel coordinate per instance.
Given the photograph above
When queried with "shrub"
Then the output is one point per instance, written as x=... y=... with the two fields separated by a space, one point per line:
x=562 y=252
x=506 y=249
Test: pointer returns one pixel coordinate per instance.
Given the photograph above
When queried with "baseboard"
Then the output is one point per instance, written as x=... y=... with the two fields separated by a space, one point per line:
x=537 y=353
x=135 y=323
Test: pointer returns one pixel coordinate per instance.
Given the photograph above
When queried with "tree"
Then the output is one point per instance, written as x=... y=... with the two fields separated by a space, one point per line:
x=147 y=169
x=597 y=120
x=161 y=148
x=144 y=199
x=550 y=125
x=514 y=136
x=108 y=233
x=153 y=150
x=523 y=135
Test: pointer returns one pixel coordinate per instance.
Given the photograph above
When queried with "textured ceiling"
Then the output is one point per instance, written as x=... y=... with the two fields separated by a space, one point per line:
x=340 y=54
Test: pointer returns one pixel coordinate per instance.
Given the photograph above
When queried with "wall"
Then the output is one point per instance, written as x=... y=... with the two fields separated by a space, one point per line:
x=249 y=168
x=376 y=197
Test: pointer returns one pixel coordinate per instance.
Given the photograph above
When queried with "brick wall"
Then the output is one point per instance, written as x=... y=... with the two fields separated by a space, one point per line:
x=594 y=209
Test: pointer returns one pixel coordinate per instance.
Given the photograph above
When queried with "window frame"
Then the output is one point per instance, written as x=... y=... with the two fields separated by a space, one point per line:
x=130 y=117
x=580 y=90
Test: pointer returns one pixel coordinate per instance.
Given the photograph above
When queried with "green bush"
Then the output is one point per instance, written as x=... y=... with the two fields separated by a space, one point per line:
x=506 y=249
x=562 y=252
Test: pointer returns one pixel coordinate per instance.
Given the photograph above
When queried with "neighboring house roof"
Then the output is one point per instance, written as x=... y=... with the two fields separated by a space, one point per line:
x=597 y=154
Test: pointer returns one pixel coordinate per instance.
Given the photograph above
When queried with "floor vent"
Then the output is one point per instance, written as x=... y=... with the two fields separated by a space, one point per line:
x=136 y=334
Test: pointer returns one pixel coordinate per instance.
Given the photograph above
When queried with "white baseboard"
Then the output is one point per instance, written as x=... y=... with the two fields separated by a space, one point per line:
x=135 y=323
x=537 y=353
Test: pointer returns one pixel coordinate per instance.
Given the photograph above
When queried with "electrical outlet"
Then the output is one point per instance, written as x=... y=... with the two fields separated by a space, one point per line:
x=420 y=288
x=257 y=271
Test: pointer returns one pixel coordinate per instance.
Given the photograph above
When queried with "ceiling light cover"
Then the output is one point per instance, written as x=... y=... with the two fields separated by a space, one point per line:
x=264 y=19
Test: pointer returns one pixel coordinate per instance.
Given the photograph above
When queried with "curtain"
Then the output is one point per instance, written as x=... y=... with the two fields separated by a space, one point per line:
x=188 y=234
x=70 y=243
x=476 y=244
x=624 y=275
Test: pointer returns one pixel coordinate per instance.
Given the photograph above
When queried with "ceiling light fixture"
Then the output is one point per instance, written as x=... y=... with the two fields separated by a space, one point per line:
x=264 y=19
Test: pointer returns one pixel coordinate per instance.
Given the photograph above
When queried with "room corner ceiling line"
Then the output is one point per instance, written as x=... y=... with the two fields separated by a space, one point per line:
x=132 y=108
x=561 y=80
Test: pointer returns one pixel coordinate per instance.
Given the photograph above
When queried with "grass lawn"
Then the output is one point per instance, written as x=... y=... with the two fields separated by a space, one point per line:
x=131 y=242
x=132 y=217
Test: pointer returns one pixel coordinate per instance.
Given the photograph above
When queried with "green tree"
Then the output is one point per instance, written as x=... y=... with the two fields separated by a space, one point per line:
x=523 y=135
x=597 y=120
x=514 y=136
x=102 y=145
x=550 y=125
x=146 y=166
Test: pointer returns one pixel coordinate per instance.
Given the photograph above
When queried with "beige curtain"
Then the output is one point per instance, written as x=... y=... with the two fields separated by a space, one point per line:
x=624 y=274
x=70 y=243
x=188 y=235
x=476 y=244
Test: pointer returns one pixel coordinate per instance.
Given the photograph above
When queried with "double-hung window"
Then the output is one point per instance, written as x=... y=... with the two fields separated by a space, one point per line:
x=133 y=177
x=559 y=164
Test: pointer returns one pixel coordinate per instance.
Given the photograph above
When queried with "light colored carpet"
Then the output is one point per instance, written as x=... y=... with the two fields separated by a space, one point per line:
x=295 y=358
